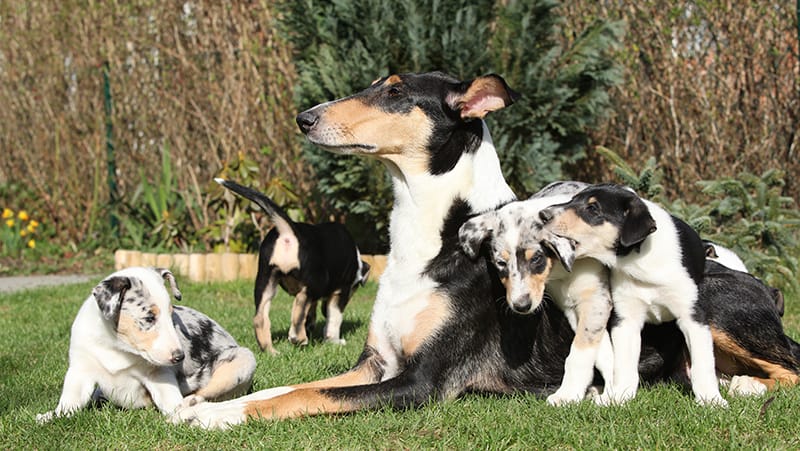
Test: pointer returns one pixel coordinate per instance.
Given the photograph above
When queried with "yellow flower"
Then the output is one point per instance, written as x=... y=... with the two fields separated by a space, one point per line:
x=32 y=244
x=23 y=232
x=7 y=213
x=34 y=223
x=10 y=222
x=23 y=215
x=31 y=227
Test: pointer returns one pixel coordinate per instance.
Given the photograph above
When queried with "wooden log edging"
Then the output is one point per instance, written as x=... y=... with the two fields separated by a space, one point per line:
x=215 y=267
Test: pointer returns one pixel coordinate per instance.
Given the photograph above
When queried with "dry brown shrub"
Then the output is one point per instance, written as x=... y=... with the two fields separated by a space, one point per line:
x=712 y=88
x=208 y=81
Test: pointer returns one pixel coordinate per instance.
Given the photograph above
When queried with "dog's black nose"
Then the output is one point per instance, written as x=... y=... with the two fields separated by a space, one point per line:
x=546 y=215
x=178 y=356
x=306 y=120
x=522 y=304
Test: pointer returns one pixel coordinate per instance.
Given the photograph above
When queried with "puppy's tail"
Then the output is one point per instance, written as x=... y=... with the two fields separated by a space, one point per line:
x=276 y=213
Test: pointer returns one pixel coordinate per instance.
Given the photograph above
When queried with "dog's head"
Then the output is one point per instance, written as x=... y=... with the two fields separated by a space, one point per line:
x=419 y=122
x=137 y=305
x=520 y=249
x=602 y=220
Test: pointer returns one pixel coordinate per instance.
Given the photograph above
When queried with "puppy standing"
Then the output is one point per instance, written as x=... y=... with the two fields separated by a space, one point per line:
x=656 y=263
x=129 y=342
x=526 y=257
x=310 y=262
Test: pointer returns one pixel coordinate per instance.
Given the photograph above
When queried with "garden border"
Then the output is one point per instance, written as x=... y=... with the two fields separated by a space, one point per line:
x=215 y=267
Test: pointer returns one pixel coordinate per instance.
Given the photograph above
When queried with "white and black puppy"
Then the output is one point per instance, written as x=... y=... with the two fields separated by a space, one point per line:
x=130 y=346
x=527 y=258
x=310 y=262
x=656 y=262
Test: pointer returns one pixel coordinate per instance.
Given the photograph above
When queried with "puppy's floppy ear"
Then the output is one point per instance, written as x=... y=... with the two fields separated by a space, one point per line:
x=638 y=223
x=364 y=273
x=481 y=96
x=109 y=295
x=167 y=275
x=474 y=232
x=564 y=248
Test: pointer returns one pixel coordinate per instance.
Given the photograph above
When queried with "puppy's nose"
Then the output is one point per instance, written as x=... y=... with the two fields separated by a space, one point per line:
x=522 y=304
x=306 y=120
x=546 y=215
x=177 y=356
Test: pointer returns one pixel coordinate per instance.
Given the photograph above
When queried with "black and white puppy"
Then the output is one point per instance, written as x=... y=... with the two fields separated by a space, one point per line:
x=130 y=346
x=310 y=262
x=656 y=262
x=527 y=258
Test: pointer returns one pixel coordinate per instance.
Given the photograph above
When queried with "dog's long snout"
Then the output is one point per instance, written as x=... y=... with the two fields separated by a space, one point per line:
x=306 y=120
x=177 y=356
x=546 y=215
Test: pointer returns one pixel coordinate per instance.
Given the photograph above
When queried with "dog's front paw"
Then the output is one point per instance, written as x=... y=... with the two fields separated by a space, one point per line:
x=716 y=401
x=336 y=341
x=562 y=398
x=190 y=401
x=210 y=415
x=45 y=417
x=746 y=386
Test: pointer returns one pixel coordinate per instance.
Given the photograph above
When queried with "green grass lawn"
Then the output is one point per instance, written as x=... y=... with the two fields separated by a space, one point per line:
x=34 y=338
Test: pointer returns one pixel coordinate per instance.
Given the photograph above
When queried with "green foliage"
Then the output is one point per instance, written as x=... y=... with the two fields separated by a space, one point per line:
x=156 y=215
x=564 y=88
x=237 y=228
x=748 y=214
x=343 y=45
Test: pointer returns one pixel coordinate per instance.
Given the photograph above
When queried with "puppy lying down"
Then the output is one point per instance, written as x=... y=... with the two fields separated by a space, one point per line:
x=131 y=346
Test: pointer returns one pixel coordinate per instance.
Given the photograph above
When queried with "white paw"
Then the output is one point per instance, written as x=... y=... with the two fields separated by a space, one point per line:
x=190 y=401
x=609 y=398
x=336 y=341
x=45 y=417
x=715 y=401
x=210 y=415
x=562 y=398
x=746 y=386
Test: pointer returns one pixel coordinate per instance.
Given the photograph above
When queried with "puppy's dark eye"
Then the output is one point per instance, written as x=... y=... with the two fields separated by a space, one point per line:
x=393 y=91
x=537 y=259
x=500 y=264
x=593 y=208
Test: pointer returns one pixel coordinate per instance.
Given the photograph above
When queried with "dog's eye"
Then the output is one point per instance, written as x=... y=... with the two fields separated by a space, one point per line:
x=593 y=208
x=537 y=259
x=500 y=264
x=393 y=91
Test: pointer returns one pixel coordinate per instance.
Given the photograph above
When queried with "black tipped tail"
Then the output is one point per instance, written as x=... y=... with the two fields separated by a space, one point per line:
x=271 y=208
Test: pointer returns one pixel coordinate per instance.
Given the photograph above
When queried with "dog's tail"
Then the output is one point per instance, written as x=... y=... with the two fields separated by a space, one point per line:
x=279 y=217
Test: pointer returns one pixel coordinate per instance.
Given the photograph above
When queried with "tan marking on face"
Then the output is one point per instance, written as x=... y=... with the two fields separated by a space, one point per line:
x=392 y=80
x=128 y=330
x=536 y=283
x=400 y=138
x=528 y=254
x=425 y=324
x=732 y=359
x=592 y=240
x=505 y=255
x=303 y=402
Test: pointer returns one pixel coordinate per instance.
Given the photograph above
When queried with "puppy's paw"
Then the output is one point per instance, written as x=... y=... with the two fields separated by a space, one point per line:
x=716 y=401
x=42 y=418
x=336 y=341
x=564 y=397
x=746 y=386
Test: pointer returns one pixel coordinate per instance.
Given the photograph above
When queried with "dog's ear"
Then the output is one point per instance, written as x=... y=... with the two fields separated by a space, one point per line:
x=474 y=232
x=109 y=295
x=711 y=251
x=481 y=96
x=564 y=248
x=638 y=223
x=167 y=275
